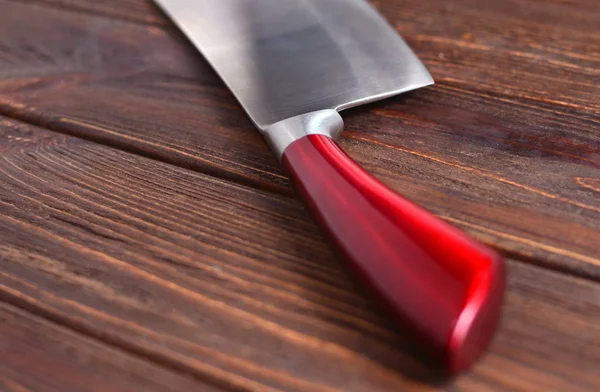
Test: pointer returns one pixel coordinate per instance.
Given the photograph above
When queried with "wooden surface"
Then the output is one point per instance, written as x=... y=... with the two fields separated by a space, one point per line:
x=149 y=241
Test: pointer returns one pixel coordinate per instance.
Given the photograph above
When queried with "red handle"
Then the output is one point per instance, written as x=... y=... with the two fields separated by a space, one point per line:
x=442 y=285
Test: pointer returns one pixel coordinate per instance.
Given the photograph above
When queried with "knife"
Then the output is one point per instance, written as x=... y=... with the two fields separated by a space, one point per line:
x=293 y=65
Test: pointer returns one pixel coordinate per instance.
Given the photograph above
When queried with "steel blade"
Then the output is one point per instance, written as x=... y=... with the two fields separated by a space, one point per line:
x=283 y=58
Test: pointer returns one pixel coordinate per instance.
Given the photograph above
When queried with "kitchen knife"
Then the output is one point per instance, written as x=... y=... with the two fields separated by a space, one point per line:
x=293 y=65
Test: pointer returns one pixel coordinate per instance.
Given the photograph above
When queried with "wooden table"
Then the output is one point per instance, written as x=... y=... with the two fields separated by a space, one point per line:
x=150 y=242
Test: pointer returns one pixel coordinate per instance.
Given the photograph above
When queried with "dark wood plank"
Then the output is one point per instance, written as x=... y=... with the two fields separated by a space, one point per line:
x=235 y=284
x=37 y=355
x=506 y=145
x=138 y=11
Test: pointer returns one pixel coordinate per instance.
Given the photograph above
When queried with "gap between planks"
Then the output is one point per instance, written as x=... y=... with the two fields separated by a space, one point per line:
x=124 y=356
x=12 y=111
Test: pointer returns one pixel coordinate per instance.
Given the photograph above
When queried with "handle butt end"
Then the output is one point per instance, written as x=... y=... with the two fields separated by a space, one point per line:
x=478 y=320
x=442 y=285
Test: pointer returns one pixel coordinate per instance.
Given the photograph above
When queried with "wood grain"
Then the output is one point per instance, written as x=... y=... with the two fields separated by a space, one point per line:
x=41 y=356
x=505 y=145
x=137 y=11
x=235 y=285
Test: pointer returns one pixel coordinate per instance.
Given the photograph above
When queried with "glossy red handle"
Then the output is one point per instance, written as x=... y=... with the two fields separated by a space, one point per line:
x=436 y=281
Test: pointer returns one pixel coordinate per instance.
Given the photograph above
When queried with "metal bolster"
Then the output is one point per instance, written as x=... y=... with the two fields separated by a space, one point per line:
x=283 y=133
